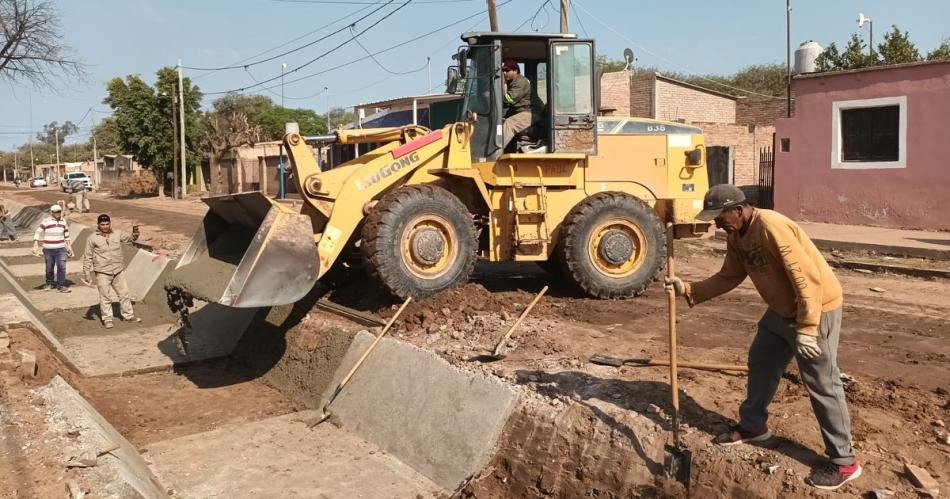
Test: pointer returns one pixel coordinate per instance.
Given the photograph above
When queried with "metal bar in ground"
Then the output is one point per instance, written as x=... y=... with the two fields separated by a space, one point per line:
x=349 y=313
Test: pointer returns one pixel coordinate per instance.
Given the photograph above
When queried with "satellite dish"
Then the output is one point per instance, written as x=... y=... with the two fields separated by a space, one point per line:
x=862 y=19
x=628 y=56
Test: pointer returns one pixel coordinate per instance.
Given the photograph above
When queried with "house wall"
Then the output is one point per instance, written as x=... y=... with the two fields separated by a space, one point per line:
x=615 y=91
x=745 y=142
x=680 y=102
x=915 y=196
x=641 y=95
x=756 y=110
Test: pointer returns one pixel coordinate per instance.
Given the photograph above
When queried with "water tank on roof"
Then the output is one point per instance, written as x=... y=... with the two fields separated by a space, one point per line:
x=805 y=57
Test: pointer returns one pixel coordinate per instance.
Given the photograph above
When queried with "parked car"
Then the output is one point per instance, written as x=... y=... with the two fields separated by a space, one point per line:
x=79 y=176
x=38 y=182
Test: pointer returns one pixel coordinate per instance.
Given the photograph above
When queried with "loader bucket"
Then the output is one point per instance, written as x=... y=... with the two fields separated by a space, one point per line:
x=248 y=252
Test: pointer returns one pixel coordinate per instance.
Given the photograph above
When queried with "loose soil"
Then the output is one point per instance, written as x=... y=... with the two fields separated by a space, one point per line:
x=207 y=276
x=87 y=321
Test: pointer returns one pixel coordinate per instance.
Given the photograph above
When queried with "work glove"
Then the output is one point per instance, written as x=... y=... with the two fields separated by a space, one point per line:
x=69 y=252
x=807 y=346
x=676 y=284
x=87 y=280
x=36 y=250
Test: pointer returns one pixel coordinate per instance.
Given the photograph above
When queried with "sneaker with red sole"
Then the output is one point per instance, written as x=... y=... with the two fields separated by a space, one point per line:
x=739 y=435
x=832 y=476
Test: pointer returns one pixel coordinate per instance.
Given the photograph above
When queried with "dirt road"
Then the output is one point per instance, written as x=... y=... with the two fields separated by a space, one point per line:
x=588 y=428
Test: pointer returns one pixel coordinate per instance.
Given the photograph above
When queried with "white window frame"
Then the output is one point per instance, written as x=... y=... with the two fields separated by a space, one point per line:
x=836 y=140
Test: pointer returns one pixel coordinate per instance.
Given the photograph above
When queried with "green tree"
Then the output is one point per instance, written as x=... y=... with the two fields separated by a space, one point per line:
x=142 y=117
x=610 y=66
x=855 y=54
x=897 y=48
x=272 y=121
x=941 y=53
x=248 y=105
x=830 y=59
x=107 y=137
x=50 y=131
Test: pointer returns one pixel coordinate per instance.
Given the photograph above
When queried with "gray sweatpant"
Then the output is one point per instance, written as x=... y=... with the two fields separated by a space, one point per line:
x=770 y=353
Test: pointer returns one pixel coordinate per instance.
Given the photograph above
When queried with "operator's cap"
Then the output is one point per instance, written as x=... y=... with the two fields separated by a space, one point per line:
x=56 y=207
x=103 y=218
x=718 y=198
x=509 y=63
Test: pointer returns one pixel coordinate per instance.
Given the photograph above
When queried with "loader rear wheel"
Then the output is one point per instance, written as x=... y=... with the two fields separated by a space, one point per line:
x=419 y=240
x=614 y=245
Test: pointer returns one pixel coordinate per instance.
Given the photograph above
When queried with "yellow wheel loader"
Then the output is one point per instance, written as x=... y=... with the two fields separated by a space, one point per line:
x=583 y=195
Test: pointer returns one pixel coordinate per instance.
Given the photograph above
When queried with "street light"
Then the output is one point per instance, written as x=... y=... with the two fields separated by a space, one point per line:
x=865 y=19
x=283 y=67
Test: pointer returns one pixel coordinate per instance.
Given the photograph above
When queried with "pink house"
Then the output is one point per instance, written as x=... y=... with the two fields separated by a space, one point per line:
x=868 y=147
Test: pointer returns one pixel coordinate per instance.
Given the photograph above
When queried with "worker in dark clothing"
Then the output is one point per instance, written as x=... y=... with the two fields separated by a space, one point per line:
x=520 y=113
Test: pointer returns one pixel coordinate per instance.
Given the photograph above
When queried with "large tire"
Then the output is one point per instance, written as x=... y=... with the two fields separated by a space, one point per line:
x=614 y=245
x=419 y=240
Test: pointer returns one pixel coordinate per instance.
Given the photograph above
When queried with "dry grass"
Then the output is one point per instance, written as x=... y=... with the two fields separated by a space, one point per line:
x=141 y=183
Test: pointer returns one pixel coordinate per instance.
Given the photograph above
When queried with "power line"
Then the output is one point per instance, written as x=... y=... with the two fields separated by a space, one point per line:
x=681 y=68
x=401 y=44
x=384 y=68
x=315 y=59
x=222 y=68
x=317 y=30
x=343 y=2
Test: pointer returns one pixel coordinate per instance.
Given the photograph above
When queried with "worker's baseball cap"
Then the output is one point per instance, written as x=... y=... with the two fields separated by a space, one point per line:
x=103 y=218
x=718 y=198
x=509 y=63
x=56 y=207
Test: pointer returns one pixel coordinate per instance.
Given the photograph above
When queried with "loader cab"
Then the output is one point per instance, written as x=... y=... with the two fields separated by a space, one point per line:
x=561 y=69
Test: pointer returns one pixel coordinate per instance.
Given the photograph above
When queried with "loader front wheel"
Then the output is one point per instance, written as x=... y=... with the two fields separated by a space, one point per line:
x=614 y=245
x=419 y=240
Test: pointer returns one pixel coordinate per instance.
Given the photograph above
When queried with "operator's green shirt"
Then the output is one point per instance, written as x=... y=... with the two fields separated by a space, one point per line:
x=518 y=95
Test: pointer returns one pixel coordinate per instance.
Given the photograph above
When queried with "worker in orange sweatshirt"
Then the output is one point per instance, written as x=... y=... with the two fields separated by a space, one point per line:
x=803 y=321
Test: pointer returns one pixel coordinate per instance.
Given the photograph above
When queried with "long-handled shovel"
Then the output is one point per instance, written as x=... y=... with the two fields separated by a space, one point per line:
x=677 y=460
x=498 y=353
x=326 y=413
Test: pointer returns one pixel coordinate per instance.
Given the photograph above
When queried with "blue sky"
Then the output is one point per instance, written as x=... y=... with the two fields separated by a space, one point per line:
x=117 y=38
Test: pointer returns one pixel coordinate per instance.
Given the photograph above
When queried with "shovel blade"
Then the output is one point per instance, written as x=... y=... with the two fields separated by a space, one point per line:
x=677 y=464
x=606 y=360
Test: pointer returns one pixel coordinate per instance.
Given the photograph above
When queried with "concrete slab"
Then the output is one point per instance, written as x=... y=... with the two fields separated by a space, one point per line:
x=11 y=252
x=281 y=457
x=442 y=421
x=81 y=296
x=124 y=470
x=143 y=271
x=11 y=310
x=217 y=331
x=39 y=268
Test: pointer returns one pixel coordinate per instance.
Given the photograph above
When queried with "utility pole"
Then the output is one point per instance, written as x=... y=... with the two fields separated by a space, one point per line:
x=16 y=165
x=56 y=133
x=788 y=58
x=429 y=74
x=175 y=193
x=327 y=92
x=492 y=15
x=95 y=156
x=181 y=131
x=565 y=9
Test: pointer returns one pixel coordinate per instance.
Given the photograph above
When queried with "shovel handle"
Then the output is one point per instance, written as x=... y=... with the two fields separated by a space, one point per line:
x=372 y=345
x=671 y=299
x=501 y=342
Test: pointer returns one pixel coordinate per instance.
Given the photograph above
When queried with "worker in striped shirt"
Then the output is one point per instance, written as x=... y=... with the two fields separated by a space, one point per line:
x=54 y=235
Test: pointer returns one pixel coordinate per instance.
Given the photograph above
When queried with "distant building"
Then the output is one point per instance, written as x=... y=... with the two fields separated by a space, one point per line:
x=736 y=128
x=867 y=146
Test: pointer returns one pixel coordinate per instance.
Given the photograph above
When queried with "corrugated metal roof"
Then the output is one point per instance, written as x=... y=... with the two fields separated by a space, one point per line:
x=407 y=100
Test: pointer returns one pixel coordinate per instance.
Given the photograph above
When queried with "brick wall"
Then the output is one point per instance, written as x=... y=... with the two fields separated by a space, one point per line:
x=745 y=145
x=756 y=110
x=641 y=95
x=675 y=101
x=615 y=91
